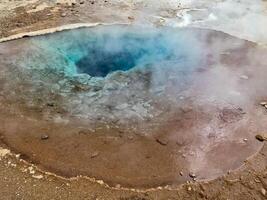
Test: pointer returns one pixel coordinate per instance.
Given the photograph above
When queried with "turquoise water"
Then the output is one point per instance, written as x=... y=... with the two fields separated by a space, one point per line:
x=99 y=51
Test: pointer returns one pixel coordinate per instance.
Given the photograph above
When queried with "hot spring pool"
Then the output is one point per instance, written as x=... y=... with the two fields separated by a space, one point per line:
x=101 y=51
x=133 y=106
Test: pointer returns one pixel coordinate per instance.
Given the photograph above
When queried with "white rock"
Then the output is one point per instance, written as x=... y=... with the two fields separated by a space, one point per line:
x=4 y=152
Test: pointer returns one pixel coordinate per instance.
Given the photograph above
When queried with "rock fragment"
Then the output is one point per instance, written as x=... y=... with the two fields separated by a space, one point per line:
x=263 y=191
x=162 y=141
x=263 y=103
x=44 y=137
x=192 y=175
x=261 y=137
x=4 y=152
x=38 y=176
x=95 y=154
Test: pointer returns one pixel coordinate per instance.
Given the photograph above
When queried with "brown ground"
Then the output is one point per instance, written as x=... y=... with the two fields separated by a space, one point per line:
x=20 y=181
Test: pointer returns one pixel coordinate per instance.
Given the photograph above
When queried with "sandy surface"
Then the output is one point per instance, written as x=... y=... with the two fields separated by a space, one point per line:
x=244 y=19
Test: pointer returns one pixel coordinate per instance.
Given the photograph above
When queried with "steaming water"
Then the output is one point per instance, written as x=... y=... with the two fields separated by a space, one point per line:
x=141 y=97
x=103 y=50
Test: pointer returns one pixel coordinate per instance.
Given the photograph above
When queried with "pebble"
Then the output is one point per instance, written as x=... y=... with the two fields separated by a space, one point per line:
x=257 y=180
x=4 y=152
x=50 y=104
x=244 y=77
x=63 y=15
x=181 y=173
x=38 y=176
x=100 y=182
x=95 y=154
x=263 y=191
x=192 y=175
x=202 y=187
x=261 y=137
x=44 y=137
x=162 y=141
x=31 y=170
x=263 y=103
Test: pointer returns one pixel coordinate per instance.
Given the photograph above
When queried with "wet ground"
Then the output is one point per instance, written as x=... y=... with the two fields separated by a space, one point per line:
x=191 y=115
x=56 y=144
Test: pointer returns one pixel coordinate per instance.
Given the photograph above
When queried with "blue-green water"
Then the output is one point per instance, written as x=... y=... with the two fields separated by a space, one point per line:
x=100 y=51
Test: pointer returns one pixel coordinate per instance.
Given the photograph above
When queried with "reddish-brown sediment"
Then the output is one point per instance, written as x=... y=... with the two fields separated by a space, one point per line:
x=201 y=135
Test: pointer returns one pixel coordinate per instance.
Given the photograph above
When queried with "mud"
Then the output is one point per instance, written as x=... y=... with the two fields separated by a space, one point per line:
x=192 y=127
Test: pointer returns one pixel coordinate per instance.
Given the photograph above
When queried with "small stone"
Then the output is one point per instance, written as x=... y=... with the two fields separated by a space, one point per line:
x=245 y=139
x=263 y=191
x=31 y=170
x=263 y=103
x=50 y=104
x=38 y=176
x=63 y=15
x=261 y=137
x=4 y=152
x=181 y=173
x=244 y=77
x=257 y=180
x=162 y=141
x=192 y=175
x=95 y=154
x=100 y=182
x=202 y=187
x=44 y=137
x=189 y=188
